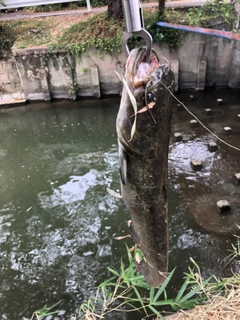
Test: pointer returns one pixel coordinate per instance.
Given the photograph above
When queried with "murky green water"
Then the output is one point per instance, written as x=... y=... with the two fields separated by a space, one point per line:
x=57 y=222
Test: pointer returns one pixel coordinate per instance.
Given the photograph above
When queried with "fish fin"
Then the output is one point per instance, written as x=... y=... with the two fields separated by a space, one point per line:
x=123 y=167
x=114 y=194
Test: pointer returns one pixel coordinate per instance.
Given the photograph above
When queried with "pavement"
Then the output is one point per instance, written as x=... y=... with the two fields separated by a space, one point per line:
x=21 y=14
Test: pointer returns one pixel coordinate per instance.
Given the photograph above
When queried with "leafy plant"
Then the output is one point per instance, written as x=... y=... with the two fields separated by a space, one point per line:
x=7 y=38
x=160 y=35
x=102 y=34
x=122 y=292
x=235 y=251
x=98 y=3
x=44 y=312
x=202 y=16
x=105 y=34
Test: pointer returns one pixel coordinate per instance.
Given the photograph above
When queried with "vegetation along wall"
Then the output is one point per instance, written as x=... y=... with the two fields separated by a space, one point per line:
x=201 y=62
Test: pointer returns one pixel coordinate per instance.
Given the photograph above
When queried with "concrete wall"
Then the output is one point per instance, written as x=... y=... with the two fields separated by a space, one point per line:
x=58 y=75
x=201 y=62
x=10 y=85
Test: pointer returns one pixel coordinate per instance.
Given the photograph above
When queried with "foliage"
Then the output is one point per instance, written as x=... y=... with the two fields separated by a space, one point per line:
x=127 y=292
x=44 y=312
x=102 y=33
x=160 y=35
x=235 y=251
x=105 y=34
x=99 y=3
x=7 y=37
x=123 y=292
x=211 y=10
x=26 y=33
x=202 y=16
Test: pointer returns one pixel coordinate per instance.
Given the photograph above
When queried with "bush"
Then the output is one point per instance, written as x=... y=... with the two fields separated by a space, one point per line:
x=7 y=38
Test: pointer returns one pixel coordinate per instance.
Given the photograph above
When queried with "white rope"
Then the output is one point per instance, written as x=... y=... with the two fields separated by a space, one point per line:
x=206 y=128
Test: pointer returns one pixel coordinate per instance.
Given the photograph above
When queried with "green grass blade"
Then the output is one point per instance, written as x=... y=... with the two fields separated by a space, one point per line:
x=152 y=291
x=182 y=290
x=161 y=303
x=114 y=272
x=46 y=311
x=122 y=269
x=165 y=294
x=155 y=312
x=163 y=286
x=142 y=284
x=137 y=278
x=194 y=291
x=140 y=299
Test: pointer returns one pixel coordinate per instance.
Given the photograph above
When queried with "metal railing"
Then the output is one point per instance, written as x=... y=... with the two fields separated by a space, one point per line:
x=8 y=4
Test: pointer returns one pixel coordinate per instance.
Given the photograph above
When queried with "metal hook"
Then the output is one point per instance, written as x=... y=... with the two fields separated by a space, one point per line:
x=134 y=23
x=143 y=34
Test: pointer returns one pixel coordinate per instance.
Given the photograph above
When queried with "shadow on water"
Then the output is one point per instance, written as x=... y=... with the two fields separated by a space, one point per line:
x=57 y=222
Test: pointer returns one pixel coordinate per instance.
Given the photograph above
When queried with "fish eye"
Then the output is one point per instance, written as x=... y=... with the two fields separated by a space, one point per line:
x=149 y=96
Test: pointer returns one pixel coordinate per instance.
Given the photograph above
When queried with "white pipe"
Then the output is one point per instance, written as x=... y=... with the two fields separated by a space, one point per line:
x=89 y=6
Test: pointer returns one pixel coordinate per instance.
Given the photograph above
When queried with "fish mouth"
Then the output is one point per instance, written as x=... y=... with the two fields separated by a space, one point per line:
x=142 y=69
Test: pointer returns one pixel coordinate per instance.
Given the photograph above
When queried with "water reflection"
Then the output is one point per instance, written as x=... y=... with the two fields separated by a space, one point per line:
x=57 y=222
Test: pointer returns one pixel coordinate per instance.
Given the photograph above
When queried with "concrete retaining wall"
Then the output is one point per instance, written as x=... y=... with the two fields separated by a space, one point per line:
x=201 y=62
x=10 y=85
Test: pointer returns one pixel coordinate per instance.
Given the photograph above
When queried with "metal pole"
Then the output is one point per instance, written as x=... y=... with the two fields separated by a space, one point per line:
x=132 y=10
x=89 y=6
x=209 y=32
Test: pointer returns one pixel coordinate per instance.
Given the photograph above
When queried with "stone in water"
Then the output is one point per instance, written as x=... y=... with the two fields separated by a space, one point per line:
x=196 y=165
x=212 y=146
x=194 y=123
x=178 y=136
x=223 y=206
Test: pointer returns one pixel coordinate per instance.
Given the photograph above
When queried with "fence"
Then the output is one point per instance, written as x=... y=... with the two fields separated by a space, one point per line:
x=30 y=3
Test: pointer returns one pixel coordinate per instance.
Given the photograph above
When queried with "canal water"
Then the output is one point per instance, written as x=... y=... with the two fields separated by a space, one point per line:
x=57 y=222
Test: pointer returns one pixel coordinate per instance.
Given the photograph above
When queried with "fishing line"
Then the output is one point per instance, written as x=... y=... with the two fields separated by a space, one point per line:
x=192 y=114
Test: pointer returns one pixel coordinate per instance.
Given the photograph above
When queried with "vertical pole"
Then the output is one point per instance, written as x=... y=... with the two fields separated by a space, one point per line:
x=88 y=6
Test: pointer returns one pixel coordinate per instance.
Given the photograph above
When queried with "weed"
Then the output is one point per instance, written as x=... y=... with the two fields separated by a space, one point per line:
x=123 y=289
x=44 y=312
x=105 y=34
x=203 y=16
x=102 y=34
x=235 y=251
x=7 y=37
x=2 y=90
x=84 y=69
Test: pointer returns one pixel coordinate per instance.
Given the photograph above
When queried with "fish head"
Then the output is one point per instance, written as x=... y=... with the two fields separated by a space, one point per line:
x=138 y=69
x=149 y=83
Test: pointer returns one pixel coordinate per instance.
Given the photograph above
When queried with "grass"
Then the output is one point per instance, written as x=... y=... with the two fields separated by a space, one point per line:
x=78 y=34
x=101 y=33
x=44 y=312
x=209 y=299
x=196 y=299
x=127 y=292
x=224 y=305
